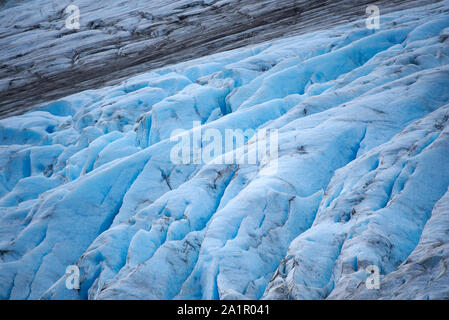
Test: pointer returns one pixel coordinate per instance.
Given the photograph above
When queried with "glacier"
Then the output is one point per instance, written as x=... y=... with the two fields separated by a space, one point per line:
x=362 y=175
x=42 y=59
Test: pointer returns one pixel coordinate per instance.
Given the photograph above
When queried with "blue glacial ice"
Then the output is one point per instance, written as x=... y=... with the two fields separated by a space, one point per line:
x=362 y=175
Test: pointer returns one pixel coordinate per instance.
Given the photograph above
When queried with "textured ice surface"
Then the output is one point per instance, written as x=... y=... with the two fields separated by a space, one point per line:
x=362 y=175
x=42 y=59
